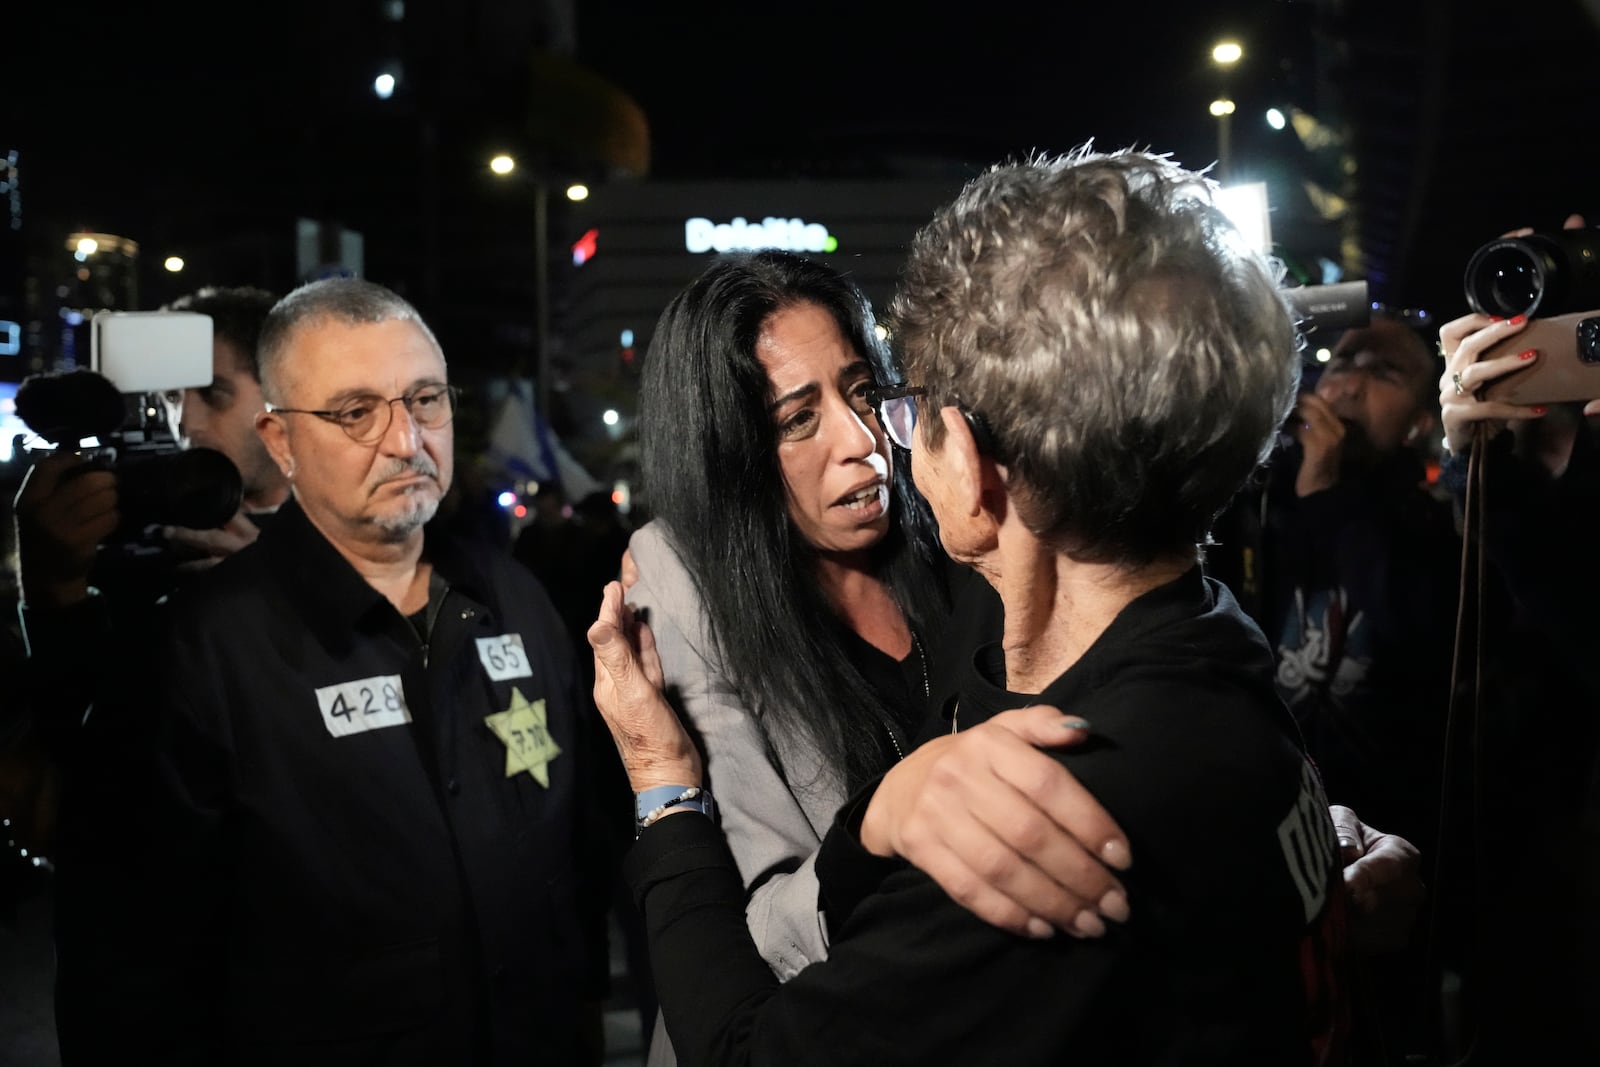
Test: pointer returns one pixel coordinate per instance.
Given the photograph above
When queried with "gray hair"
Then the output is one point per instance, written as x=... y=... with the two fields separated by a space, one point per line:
x=351 y=301
x=1098 y=316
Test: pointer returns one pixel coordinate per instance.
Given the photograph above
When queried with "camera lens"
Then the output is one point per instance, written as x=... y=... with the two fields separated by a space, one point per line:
x=1543 y=273
x=1505 y=278
x=199 y=488
x=1589 y=340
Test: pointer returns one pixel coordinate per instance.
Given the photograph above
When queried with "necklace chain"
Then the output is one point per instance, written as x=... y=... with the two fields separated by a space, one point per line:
x=922 y=661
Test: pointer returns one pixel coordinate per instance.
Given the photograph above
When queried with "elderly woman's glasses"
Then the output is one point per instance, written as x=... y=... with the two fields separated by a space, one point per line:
x=367 y=417
x=896 y=406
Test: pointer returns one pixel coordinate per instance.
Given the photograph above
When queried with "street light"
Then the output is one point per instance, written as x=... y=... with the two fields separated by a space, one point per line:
x=1224 y=54
x=502 y=165
x=173 y=264
x=1222 y=108
x=577 y=191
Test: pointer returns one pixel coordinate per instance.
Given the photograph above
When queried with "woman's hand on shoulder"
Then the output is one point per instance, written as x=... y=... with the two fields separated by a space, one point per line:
x=1004 y=828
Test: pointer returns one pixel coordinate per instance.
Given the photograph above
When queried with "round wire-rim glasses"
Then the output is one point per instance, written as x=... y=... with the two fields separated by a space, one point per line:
x=430 y=407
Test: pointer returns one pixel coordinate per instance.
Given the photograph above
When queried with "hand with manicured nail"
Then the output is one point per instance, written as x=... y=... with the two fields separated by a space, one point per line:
x=1462 y=342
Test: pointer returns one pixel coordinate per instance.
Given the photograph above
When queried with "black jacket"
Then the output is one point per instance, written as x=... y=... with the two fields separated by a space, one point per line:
x=339 y=884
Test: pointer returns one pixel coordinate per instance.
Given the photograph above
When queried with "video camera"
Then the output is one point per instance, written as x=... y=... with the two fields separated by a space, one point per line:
x=114 y=416
x=1554 y=276
x=1340 y=306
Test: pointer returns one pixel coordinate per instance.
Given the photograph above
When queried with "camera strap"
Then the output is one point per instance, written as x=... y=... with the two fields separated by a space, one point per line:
x=1472 y=583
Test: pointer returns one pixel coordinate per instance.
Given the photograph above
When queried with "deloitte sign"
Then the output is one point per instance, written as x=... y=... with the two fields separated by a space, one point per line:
x=791 y=235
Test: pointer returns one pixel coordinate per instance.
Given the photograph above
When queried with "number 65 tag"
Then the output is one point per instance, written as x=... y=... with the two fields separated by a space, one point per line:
x=504 y=657
x=362 y=705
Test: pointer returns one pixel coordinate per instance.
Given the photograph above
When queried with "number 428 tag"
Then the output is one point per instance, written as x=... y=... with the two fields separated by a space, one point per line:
x=362 y=705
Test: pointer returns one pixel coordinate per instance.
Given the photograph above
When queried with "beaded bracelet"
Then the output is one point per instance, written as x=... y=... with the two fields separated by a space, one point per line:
x=680 y=795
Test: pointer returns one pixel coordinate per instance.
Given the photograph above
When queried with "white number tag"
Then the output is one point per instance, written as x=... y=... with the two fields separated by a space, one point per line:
x=504 y=657
x=366 y=704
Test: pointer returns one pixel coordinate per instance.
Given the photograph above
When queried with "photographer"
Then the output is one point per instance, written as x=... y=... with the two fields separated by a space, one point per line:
x=89 y=589
x=1530 y=981
x=63 y=513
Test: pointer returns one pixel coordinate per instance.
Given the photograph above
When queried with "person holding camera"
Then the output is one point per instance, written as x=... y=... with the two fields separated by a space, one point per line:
x=87 y=600
x=1529 y=983
x=64 y=512
x=74 y=593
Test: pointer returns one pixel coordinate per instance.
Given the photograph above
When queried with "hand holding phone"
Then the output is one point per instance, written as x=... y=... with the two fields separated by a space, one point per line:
x=1567 y=366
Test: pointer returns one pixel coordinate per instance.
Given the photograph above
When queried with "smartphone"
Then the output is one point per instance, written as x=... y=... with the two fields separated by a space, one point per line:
x=151 y=351
x=1568 y=367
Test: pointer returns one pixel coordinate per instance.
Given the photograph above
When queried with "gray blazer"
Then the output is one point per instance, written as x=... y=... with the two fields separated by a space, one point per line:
x=775 y=798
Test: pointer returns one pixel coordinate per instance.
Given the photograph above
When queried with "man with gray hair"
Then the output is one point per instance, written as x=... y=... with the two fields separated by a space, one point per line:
x=372 y=773
x=1095 y=363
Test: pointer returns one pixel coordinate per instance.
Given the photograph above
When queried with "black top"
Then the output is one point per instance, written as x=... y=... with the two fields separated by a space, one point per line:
x=1233 y=949
x=901 y=684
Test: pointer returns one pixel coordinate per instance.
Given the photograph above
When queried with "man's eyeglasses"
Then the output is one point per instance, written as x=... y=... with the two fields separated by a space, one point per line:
x=366 y=418
x=896 y=406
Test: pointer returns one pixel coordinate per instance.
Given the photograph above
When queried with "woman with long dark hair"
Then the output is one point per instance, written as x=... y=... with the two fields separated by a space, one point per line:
x=792 y=574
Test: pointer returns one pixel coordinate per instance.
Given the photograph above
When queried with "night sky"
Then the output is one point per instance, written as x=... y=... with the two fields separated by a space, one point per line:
x=1465 y=118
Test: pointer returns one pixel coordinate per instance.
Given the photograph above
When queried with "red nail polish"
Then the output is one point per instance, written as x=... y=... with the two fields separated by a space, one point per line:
x=1496 y=318
x=1529 y=354
x=1540 y=409
x=1518 y=320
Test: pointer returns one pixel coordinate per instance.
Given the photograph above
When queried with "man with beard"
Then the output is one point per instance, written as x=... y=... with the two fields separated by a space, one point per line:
x=370 y=772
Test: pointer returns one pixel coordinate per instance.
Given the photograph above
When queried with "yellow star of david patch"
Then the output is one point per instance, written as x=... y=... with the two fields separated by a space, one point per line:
x=523 y=729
